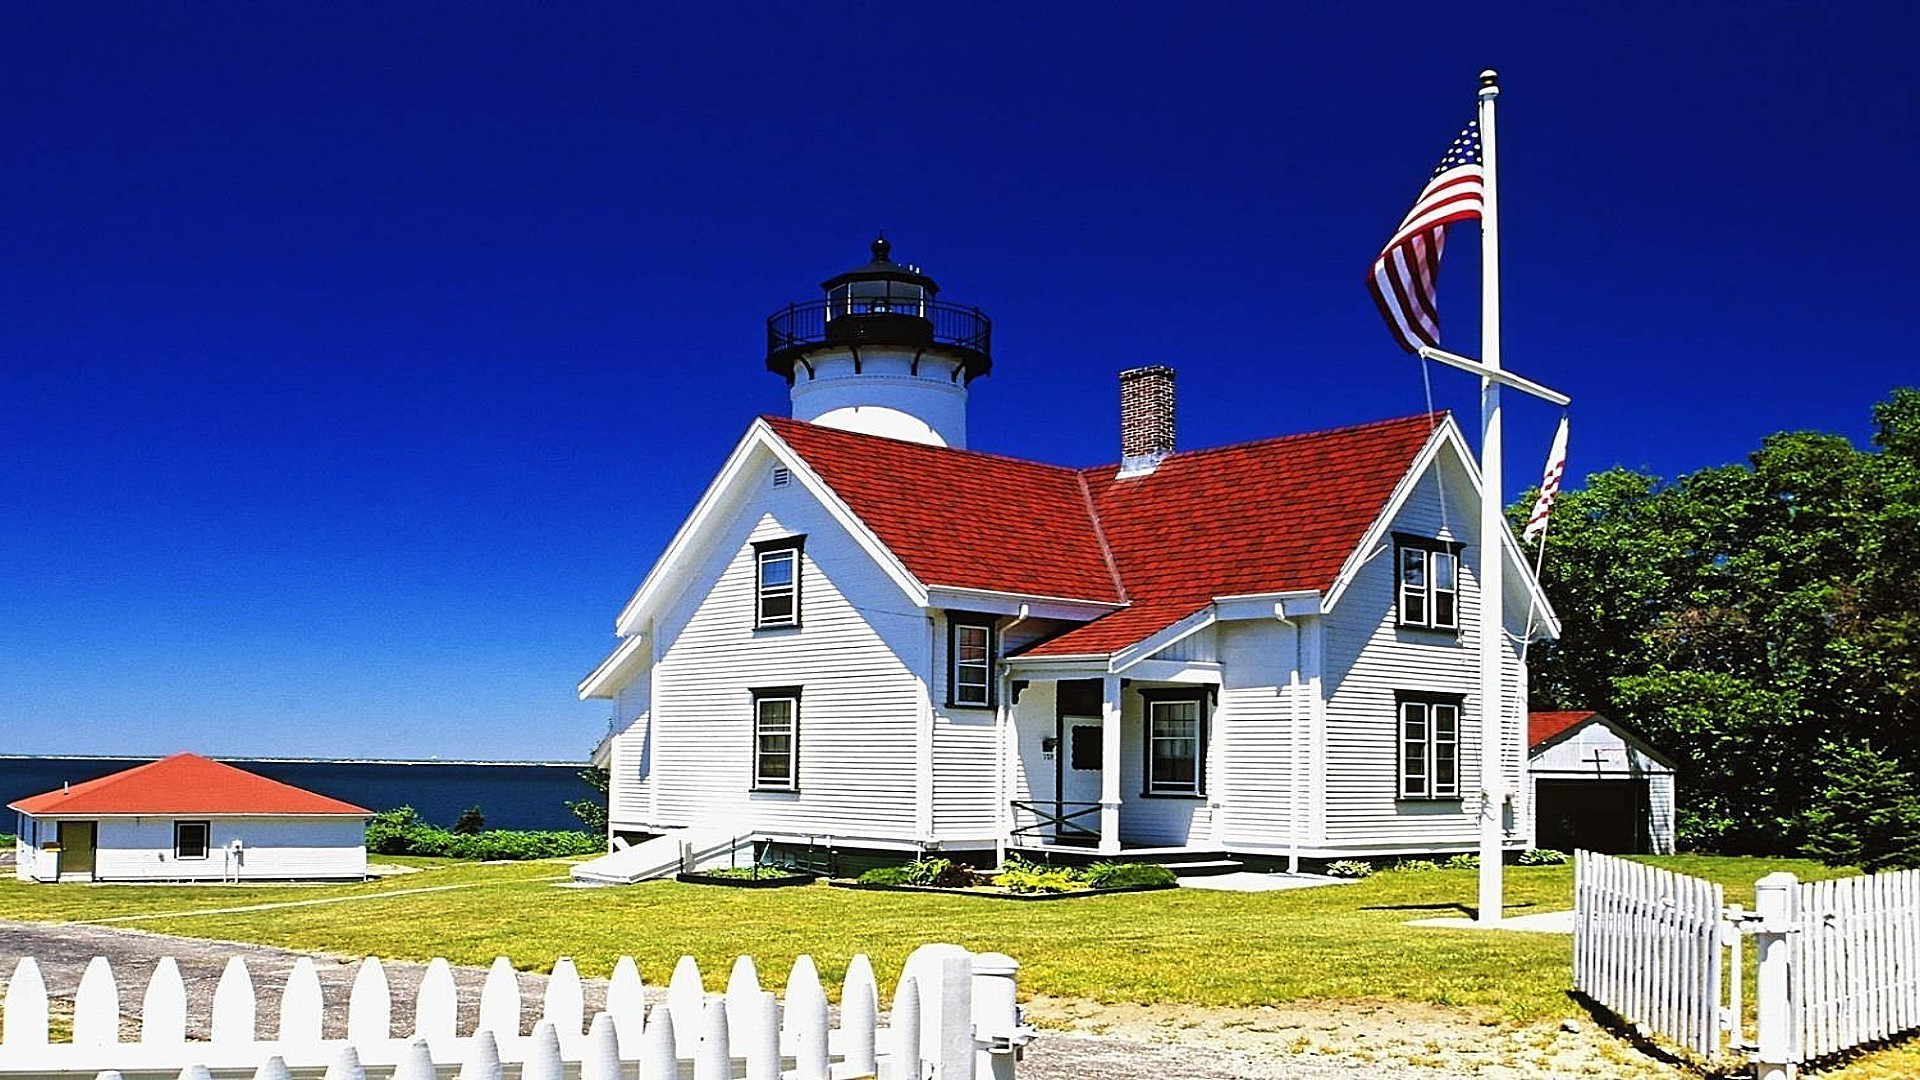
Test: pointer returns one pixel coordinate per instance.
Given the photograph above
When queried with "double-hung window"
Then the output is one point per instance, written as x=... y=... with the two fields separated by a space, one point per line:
x=190 y=839
x=776 y=581
x=1176 y=722
x=776 y=738
x=970 y=646
x=1428 y=575
x=1429 y=746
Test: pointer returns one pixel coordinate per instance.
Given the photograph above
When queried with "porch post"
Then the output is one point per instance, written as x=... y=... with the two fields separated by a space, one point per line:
x=1110 y=765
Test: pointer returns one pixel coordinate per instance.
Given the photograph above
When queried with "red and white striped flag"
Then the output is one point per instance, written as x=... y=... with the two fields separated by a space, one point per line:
x=1549 y=485
x=1404 y=275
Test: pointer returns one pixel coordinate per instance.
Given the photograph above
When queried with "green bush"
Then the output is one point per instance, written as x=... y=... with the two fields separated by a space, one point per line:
x=1118 y=875
x=939 y=874
x=470 y=822
x=1349 y=868
x=1866 y=812
x=401 y=832
x=1414 y=866
x=1462 y=861
x=885 y=875
x=1541 y=857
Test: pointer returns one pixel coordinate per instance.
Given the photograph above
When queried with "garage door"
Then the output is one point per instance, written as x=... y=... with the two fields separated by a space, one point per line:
x=1607 y=816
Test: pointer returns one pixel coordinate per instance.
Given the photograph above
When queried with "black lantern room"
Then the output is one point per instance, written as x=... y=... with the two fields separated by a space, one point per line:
x=882 y=303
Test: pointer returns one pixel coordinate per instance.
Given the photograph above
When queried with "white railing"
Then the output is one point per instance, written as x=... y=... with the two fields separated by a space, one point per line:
x=1647 y=946
x=1837 y=963
x=953 y=1018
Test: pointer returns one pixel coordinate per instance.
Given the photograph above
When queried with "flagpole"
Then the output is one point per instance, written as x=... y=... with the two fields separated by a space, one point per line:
x=1493 y=739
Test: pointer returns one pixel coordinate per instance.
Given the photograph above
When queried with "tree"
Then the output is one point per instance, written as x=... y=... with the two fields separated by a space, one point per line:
x=470 y=822
x=1867 y=813
x=593 y=812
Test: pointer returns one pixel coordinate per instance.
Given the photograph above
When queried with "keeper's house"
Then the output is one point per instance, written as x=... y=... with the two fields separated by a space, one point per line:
x=868 y=636
x=185 y=818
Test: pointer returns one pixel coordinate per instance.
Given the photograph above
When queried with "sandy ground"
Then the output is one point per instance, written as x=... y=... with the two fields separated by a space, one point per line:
x=1079 y=1040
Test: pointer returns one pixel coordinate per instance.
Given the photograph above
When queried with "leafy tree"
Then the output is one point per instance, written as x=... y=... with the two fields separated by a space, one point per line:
x=593 y=812
x=1866 y=814
x=471 y=822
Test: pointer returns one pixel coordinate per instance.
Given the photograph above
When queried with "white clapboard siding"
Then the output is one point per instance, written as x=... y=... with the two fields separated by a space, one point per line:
x=1647 y=946
x=945 y=995
x=1855 y=961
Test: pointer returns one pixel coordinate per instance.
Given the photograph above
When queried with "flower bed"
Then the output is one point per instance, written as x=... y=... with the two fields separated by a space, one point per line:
x=1017 y=879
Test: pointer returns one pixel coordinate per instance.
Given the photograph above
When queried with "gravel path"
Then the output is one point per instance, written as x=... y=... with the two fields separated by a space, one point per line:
x=62 y=951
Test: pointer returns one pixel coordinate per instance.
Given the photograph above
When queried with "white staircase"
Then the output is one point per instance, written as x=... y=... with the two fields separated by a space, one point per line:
x=665 y=855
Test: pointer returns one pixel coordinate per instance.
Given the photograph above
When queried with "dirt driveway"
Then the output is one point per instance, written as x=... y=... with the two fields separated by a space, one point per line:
x=1079 y=1041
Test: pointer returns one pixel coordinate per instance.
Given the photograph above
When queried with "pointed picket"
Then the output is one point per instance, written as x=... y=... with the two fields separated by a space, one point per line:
x=436 y=1005
x=483 y=1058
x=565 y=1003
x=687 y=996
x=302 y=1004
x=26 y=1006
x=859 y=1016
x=659 y=1058
x=761 y=1047
x=543 y=1054
x=806 y=1034
x=713 y=1059
x=274 y=1068
x=370 y=1004
x=163 y=1009
x=416 y=1062
x=743 y=1001
x=233 y=1004
x=600 y=1055
x=346 y=1066
x=500 y=1000
x=903 y=1042
x=108 y=1074
x=627 y=1004
x=96 y=1006
x=196 y=1072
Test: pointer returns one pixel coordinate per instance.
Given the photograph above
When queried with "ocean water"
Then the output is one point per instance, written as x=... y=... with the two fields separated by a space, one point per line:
x=511 y=795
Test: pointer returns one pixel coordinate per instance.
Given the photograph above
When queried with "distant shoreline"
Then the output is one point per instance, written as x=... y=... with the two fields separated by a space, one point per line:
x=582 y=763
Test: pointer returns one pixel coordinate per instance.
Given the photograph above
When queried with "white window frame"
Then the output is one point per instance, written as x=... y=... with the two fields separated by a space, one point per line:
x=977 y=692
x=1154 y=702
x=1428 y=730
x=763 y=729
x=766 y=553
x=1418 y=603
x=206 y=839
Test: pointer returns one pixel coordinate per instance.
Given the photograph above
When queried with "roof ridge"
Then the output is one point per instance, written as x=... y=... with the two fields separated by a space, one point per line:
x=1432 y=419
x=1100 y=536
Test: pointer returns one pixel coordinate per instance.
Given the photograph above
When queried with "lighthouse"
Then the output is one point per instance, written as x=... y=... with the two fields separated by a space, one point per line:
x=879 y=354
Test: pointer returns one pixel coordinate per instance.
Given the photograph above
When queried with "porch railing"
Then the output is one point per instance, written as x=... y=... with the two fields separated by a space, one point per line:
x=1055 y=820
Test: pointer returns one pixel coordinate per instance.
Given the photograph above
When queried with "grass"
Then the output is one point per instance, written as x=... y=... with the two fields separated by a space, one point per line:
x=1187 y=946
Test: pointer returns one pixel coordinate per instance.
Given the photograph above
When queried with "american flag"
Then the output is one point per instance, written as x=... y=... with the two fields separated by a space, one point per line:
x=1403 y=277
x=1549 y=485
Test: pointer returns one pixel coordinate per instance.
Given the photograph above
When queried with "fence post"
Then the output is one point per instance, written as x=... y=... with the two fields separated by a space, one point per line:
x=996 y=1018
x=1775 y=901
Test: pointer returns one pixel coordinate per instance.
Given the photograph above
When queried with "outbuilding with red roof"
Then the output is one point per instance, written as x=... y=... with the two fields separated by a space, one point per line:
x=1596 y=785
x=869 y=637
x=187 y=818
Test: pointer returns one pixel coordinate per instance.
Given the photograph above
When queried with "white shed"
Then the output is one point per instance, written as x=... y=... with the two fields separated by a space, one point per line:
x=186 y=818
x=1598 y=786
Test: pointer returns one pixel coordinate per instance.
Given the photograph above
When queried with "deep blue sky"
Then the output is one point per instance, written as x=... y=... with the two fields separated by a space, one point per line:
x=357 y=365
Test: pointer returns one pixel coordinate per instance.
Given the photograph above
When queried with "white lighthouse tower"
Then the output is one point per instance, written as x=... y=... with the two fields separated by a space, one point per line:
x=880 y=355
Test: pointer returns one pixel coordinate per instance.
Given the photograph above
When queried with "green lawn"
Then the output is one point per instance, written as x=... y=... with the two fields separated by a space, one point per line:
x=1187 y=946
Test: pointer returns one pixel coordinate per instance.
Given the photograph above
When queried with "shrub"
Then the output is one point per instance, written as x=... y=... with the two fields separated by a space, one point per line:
x=1118 y=875
x=1462 y=861
x=1414 y=866
x=939 y=873
x=471 y=821
x=1867 y=813
x=401 y=832
x=1020 y=876
x=885 y=875
x=1349 y=868
x=1541 y=857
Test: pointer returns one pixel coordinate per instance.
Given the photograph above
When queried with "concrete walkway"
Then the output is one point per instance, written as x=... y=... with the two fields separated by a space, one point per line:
x=1247 y=881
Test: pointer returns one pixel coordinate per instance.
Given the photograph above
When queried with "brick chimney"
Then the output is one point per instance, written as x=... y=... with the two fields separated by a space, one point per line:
x=1146 y=418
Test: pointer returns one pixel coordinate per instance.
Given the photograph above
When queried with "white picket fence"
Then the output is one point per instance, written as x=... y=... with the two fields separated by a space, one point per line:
x=1837 y=962
x=953 y=1018
x=1647 y=945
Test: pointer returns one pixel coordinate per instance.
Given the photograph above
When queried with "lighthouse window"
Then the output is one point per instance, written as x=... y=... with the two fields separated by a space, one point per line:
x=777 y=582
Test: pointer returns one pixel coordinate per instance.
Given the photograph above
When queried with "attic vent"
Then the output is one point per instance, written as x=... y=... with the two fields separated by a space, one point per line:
x=781 y=476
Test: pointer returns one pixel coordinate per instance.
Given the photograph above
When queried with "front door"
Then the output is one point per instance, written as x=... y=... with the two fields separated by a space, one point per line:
x=76 y=849
x=1079 y=762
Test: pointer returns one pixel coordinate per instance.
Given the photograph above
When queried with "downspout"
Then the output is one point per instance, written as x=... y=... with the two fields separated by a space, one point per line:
x=1293 y=715
x=1009 y=744
x=923 y=749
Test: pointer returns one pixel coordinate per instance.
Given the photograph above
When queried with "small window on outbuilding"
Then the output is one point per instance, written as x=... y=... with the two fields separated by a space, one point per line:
x=190 y=839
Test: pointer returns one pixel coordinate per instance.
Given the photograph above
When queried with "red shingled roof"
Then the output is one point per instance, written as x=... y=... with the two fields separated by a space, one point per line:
x=1542 y=726
x=1272 y=516
x=183 y=784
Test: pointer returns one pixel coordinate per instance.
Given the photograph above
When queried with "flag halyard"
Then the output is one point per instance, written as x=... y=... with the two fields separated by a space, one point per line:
x=1406 y=273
